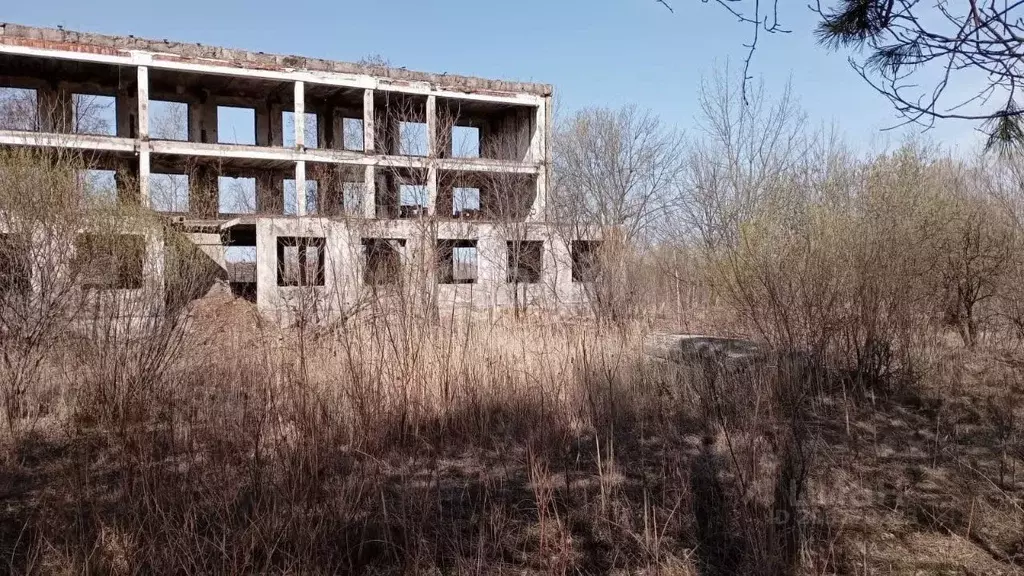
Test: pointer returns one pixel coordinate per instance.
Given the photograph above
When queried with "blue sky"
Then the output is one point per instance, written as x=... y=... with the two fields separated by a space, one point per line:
x=596 y=52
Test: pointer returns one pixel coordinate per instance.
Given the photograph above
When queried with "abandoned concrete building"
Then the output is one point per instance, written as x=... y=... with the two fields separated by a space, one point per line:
x=303 y=176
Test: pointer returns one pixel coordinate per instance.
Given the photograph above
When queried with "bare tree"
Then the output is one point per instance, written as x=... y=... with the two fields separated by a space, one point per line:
x=742 y=147
x=616 y=168
x=913 y=53
x=18 y=109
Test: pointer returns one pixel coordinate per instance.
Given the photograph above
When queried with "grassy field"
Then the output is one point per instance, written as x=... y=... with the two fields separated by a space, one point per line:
x=397 y=445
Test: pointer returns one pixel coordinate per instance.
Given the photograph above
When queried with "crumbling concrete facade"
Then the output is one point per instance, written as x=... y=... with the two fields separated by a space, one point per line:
x=352 y=178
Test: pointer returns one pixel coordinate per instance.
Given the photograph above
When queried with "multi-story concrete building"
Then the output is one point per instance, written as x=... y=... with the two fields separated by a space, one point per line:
x=336 y=176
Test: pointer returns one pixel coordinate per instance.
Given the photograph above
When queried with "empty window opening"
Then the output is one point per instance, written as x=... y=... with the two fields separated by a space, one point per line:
x=240 y=254
x=412 y=138
x=236 y=195
x=585 y=260
x=382 y=262
x=236 y=125
x=240 y=262
x=110 y=261
x=524 y=261
x=168 y=192
x=465 y=142
x=169 y=120
x=19 y=109
x=412 y=200
x=352 y=197
x=98 y=185
x=94 y=114
x=352 y=134
x=291 y=207
x=309 y=135
x=466 y=202
x=15 y=267
x=300 y=261
x=457 y=261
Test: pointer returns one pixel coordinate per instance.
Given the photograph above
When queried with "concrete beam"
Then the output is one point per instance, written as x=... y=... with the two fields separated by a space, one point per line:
x=75 y=141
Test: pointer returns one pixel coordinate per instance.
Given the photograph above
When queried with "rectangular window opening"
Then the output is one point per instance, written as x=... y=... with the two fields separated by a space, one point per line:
x=382 y=261
x=412 y=200
x=524 y=261
x=585 y=260
x=466 y=203
x=110 y=261
x=236 y=195
x=352 y=134
x=169 y=120
x=98 y=185
x=465 y=142
x=94 y=114
x=168 y=192
x=300 y=261
x=352 y=197
x=291 y=207
x=236 y=125
x=412 y=138
x=457 y=261
x=309 y=135
x=19 y=109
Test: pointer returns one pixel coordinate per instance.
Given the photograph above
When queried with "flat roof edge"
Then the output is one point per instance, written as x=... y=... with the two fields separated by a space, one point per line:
x=73 y=41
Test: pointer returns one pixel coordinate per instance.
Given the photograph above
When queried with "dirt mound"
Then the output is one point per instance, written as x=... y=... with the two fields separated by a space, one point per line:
x=220 y=316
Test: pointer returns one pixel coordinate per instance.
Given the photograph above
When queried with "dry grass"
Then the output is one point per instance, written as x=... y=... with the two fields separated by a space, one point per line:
x=463 y=447
x=207 y=440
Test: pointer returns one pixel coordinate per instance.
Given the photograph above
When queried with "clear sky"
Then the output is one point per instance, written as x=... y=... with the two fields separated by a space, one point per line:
x=595 y=52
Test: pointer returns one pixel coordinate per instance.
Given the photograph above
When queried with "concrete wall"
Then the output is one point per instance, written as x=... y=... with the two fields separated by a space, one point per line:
x=344 y=290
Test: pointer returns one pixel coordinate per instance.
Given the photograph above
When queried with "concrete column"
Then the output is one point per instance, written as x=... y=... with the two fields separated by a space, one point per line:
x=330 y=191
x=327 y=132
x=300 y=188
x=144 y=199
x=126 y=110
x=492 y=264
x=195 y=115
x=126 y=180
x=203 y=196
x=142 y=98
x=432 y=191
x=369 y=199
x=432 y=136
x=56 y=111
x=154 y=271
x=338 y=126
x=539 y=207
x=300 y=124
x=276 y=124
x=209 y=121
x=269 y=193
x=537 y=137
x=368 y=122
x=202 y=121
x=269 y=124
x=263 y=130
x=143 y=118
